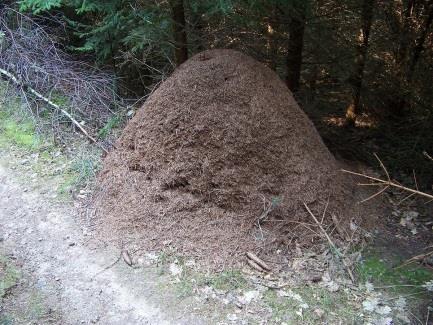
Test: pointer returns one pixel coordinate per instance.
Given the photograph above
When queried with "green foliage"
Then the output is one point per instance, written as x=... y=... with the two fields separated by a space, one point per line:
x=38 y=6
x=6 y=320
x=21 y=134
x=110 y=28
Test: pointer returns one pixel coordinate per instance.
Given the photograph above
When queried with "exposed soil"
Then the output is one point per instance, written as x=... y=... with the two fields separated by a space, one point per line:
x=220 y=160
x=64 y=273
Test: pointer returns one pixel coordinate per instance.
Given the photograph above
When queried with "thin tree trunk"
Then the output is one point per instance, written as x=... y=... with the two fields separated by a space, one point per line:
x=402 y=58
x=295 y=45
x=419 y=44
x=406 y=27
x=271 y=37
x=362 y=49
x=179 y=31
x=407 y=69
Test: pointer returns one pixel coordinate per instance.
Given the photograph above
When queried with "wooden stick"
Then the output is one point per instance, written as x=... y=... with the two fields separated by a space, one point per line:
x=383 y=166
x=38 y=95
x=258 y=261
x=255 y=266
x=126 y=257
x=427 y=155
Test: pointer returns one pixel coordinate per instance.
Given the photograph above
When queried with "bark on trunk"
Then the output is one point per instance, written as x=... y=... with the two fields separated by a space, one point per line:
x=295 y=45
x=179 y=31
x=408 y=64
x=271 y=24
x=419 y=44
x=364 y=35
x=405 y=31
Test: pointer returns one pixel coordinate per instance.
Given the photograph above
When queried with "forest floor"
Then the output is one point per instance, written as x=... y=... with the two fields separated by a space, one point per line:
x=54 y=270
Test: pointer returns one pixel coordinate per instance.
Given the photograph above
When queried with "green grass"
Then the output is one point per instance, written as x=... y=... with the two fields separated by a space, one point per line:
x=81 y=172
x=227 y=280
x=9 y=276
x=113 y=123
x=380 y=273
x=18 y=130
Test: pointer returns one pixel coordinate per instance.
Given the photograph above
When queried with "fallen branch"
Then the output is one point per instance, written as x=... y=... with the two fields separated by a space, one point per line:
x=38 y=95
x=258 y=261
x=388 y=182
x=427 y=155
x=255 y=266
x=126 y=257
x=381 y=182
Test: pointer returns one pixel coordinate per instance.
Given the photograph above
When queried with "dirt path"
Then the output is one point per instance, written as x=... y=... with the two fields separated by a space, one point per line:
x=57 y=259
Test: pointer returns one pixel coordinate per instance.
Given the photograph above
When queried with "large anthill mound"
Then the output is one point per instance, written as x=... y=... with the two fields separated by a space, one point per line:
x=218 y=161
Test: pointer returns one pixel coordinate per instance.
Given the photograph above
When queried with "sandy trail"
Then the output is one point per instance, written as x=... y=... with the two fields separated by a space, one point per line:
x=48 y=239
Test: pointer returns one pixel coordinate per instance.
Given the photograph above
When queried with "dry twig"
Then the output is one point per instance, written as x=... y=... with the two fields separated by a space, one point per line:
x=415 y=259
x=387 y=183
x=331 y=243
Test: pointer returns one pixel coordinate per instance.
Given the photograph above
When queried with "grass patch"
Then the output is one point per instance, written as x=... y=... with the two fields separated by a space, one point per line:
x=407 y=278
x=81 y=171
x=227 y=280
x=113 y=123
x=9 y=276
x=336 y=306
x=18 y=131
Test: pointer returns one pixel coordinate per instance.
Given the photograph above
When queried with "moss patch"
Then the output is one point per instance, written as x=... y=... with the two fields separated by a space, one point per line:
x=381 y=273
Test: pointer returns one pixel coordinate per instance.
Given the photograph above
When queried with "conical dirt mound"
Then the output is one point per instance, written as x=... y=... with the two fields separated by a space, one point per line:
x=218 y=159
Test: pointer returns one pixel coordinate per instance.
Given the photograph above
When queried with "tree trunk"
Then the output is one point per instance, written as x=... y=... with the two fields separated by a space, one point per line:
x=405 y=31
x=361 y=57
x=271 y=24
x=295 y=44
x=408 y=65
x=419 y=44
x=179 y=31
x=401 y=59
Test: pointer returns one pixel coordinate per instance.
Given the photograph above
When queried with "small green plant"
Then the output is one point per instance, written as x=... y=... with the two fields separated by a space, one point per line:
x=185 y=287
x=112 y=123
x=82 y=170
